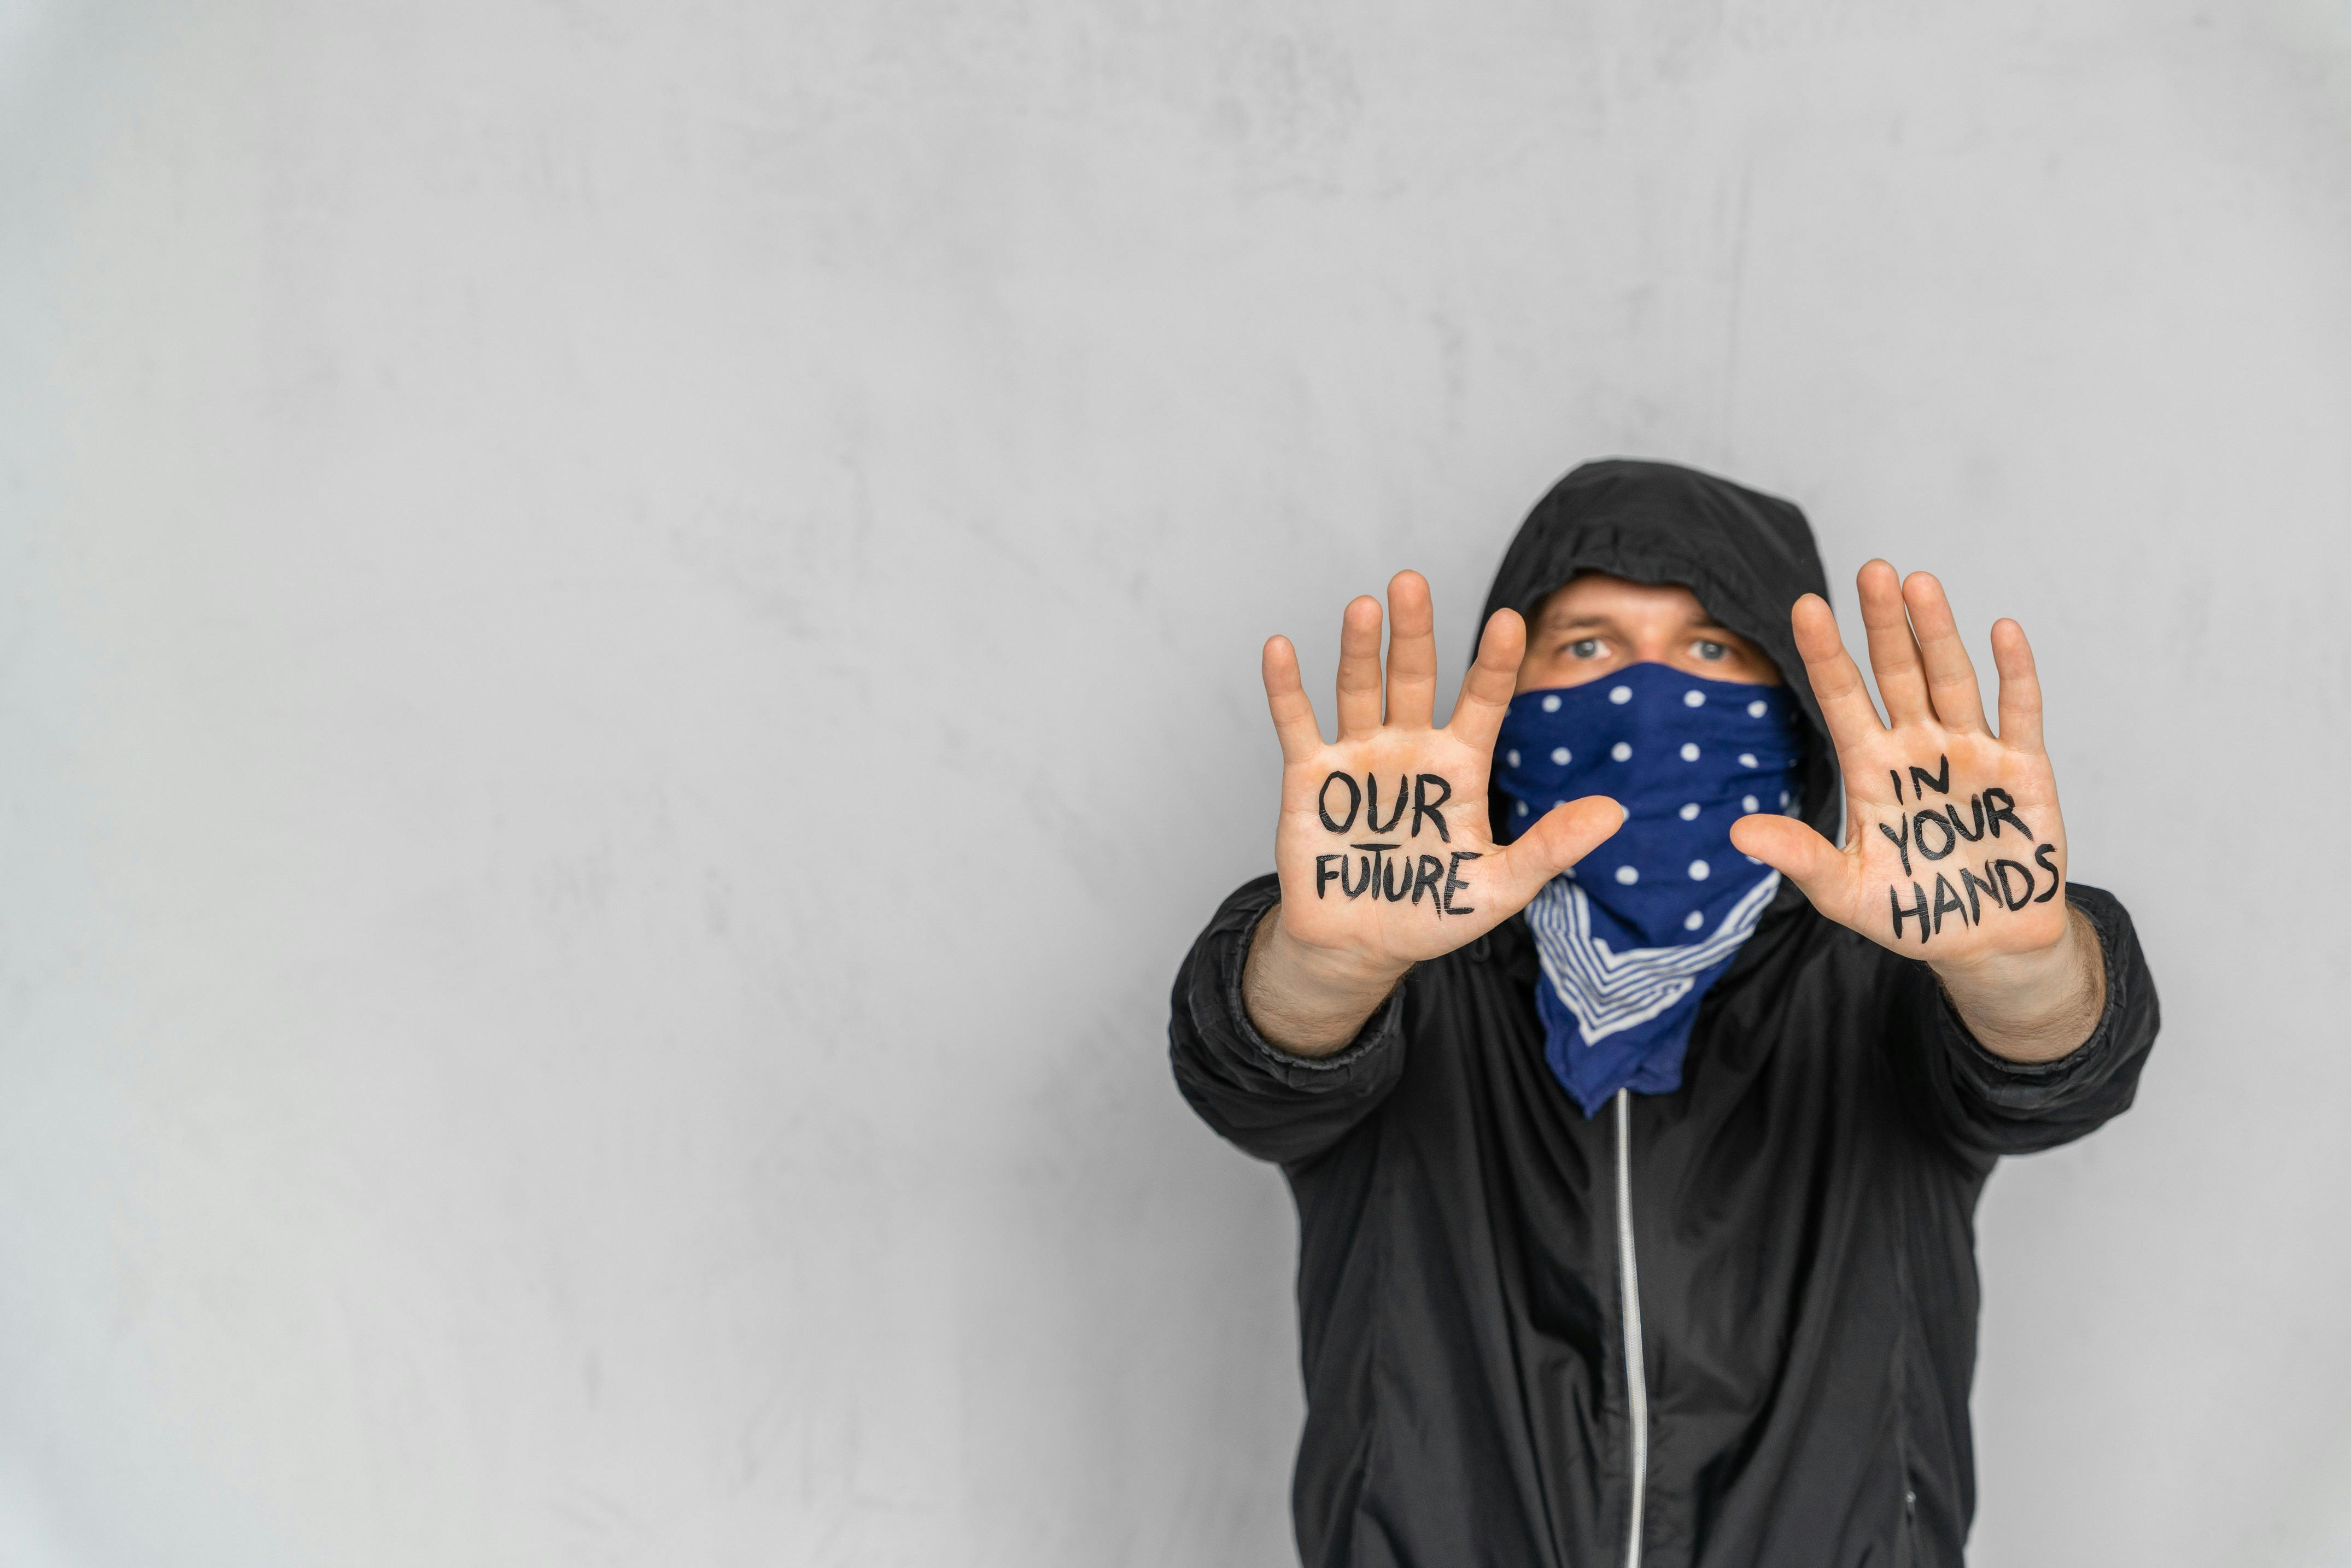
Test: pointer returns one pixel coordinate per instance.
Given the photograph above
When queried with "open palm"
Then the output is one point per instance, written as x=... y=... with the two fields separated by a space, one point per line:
x=1954 y=851
x=1384 y=847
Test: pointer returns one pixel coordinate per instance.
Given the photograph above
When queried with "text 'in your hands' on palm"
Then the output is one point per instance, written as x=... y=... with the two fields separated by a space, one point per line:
x=1955 y=848
x=1939 y=831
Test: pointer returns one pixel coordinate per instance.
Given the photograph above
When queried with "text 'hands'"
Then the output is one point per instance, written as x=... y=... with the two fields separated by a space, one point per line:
x=1955 y=848
x=1938 y=832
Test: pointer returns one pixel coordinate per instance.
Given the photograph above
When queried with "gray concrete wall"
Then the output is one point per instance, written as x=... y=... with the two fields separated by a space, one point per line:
x=628 y=644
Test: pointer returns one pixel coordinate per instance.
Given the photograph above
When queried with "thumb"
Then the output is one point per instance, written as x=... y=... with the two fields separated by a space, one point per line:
x=1562 y=836
x=1797 y=852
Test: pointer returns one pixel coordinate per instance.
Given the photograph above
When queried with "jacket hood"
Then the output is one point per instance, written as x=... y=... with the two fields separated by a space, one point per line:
x=1748 y=557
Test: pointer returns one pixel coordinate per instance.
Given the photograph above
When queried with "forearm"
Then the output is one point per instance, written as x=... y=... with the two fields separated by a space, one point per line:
x=2033 y=1006
x=1310 y=1001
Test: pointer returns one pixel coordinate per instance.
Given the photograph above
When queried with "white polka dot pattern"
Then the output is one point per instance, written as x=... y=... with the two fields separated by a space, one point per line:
x=1627 y=941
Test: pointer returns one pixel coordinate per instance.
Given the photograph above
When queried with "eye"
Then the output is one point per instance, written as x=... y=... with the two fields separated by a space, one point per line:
x=1584 y=648
x=1712 y=653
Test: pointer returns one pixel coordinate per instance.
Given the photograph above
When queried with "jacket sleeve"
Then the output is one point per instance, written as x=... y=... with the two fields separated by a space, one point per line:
x=1988 y=1106
x=1258 y=1096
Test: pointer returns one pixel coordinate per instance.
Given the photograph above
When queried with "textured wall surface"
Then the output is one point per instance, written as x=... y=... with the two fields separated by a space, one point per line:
x=627 y=652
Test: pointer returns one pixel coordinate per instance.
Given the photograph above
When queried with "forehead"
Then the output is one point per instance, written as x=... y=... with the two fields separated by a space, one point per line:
x=1596 y=596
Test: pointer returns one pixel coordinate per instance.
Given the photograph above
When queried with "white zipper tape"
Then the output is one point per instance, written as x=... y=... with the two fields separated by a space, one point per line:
x=1628 y=1269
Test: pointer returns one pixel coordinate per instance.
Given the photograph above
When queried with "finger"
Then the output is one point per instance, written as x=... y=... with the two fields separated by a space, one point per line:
x=1293 y=712
x=1892 y=651
x=1950 y=674
x=1412 y=651
x=2020 y=686
x=1492 y=681
x=1836 y=679
x=1799 y=853
x=1561 y=837
x=1359 y=669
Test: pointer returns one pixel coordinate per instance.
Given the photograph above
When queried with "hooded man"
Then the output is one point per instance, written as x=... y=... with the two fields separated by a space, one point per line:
x=1635 y=1128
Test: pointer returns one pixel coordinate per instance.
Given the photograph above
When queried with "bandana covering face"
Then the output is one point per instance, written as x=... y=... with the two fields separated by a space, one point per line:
x=1631 y=938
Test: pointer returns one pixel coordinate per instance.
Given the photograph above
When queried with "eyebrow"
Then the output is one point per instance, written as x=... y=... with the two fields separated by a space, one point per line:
x=1700 y=624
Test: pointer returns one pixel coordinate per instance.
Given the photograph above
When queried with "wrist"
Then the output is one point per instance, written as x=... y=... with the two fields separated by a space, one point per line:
x=1340 y=971
x=1308 y=999
x=2035 y=1006
x=1996 y=973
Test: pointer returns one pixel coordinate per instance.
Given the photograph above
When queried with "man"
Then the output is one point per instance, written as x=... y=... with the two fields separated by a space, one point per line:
x=1638 y=1227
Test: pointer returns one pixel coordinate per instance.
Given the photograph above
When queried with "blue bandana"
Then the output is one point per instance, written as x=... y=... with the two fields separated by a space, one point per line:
x=1632 y=937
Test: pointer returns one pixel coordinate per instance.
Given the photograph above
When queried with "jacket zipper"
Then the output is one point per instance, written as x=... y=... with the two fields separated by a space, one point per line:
x=1628 y=1273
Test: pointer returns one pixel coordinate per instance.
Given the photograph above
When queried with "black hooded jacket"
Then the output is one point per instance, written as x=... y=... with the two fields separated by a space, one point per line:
x=1798 y=1218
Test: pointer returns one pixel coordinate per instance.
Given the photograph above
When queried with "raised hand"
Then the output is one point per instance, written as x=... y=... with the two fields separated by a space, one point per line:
x=1383 y=848
x=1955 y=850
